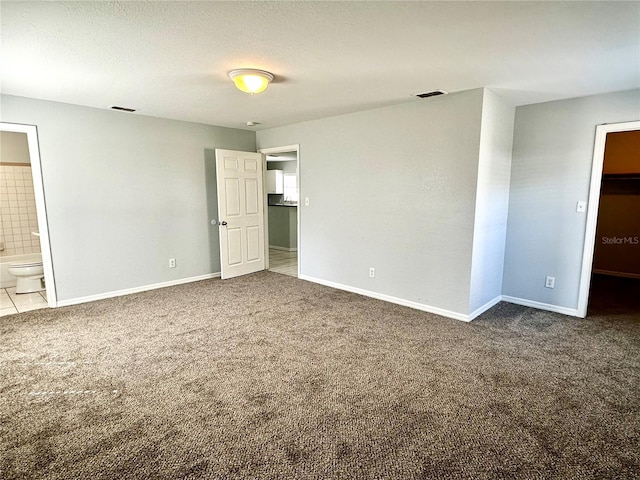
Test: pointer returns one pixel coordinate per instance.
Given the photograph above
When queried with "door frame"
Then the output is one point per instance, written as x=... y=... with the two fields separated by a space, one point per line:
x=268 y=151
x=41 y=208
x=592 y=210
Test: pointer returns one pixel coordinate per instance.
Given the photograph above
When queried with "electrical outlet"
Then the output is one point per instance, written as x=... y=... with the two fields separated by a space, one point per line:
x=372 y=272
x=550 y=282
x=172 y=263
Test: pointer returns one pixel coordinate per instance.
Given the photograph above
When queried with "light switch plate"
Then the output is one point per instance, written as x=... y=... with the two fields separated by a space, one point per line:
x=306 y=201
x=581 y=207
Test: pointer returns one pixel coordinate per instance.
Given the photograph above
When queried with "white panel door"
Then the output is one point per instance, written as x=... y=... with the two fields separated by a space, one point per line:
x=240 y=212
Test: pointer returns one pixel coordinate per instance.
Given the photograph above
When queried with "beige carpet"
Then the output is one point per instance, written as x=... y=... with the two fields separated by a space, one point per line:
x=267 y=376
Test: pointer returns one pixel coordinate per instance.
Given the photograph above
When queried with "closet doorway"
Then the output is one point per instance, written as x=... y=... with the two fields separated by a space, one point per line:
x=614 y=223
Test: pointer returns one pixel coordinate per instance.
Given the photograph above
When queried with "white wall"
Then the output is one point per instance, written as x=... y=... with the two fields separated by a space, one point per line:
x=14 y=148
x=492 y=201
x=124 y=193
x=550 y=173
x=391 y=188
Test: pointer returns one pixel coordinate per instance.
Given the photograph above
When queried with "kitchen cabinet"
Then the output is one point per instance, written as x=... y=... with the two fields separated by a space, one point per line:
x=275 y=181
x=283 y=227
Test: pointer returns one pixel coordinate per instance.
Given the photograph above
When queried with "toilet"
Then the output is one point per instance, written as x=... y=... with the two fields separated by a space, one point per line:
x=29 y=273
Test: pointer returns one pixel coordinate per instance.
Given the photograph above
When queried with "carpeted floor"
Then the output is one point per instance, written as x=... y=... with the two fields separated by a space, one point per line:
x=267 y=376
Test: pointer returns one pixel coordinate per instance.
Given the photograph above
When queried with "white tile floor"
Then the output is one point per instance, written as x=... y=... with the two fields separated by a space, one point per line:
x=283 y=262
x=11 y=302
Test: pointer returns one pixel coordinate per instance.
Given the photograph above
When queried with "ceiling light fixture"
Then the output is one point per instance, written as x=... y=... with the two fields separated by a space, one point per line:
x=250 y=80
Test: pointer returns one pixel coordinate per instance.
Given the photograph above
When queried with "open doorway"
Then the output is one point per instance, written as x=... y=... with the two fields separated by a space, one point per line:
x=25 y=253
x=282 y=189
x=611 y=263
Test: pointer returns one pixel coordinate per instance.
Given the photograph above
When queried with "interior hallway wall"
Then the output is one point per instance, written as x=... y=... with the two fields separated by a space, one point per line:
x=550 y=172
x=124 y=193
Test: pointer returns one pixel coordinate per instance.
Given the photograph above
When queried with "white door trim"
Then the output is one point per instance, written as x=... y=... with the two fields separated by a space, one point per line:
x=267 y=151
x=38 y=190
x=592 y=210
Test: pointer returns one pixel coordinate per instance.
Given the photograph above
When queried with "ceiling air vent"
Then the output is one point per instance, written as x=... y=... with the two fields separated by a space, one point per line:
x=435 y=93
x=122 y=109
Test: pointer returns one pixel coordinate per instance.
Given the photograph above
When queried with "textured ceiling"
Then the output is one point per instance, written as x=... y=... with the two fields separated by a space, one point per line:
x=170 y=59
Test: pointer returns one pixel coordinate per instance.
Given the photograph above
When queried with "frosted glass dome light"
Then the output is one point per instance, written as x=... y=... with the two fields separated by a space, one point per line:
x=250 y=80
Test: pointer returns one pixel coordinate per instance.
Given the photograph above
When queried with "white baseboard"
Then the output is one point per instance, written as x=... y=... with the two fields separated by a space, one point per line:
x=285 y=249
x=389 y=298
x=541 y=306
x=128 y=291
x=480 y=310
x=367 y=293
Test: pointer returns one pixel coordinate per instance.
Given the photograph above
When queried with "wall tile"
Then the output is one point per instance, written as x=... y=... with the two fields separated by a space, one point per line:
x=18 y=217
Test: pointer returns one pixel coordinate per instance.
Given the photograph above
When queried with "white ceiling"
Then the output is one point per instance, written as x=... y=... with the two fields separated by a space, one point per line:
x=170 y=59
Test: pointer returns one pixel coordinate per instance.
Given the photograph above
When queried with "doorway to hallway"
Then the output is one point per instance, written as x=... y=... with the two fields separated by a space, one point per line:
x=282 y=212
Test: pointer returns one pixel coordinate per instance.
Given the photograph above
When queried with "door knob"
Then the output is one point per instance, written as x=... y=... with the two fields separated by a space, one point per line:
x=223 y=223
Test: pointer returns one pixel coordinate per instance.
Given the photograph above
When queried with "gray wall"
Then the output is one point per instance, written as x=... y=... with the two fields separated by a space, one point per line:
x=492 y=201
x=125 y=193
x=391 y=188
x=14 y=148
x=550 y=173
